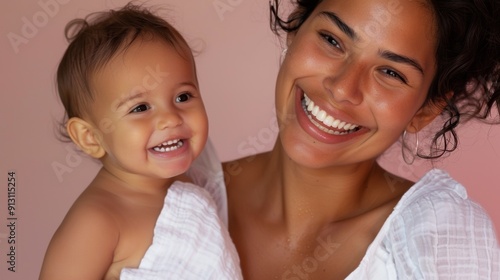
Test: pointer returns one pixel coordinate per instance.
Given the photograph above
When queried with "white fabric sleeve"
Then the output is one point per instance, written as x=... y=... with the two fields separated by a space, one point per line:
x=445 y=236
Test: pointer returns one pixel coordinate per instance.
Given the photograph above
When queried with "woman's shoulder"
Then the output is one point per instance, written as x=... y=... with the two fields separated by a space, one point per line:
x=439 y=229
x=437 y=208
x=438 y=193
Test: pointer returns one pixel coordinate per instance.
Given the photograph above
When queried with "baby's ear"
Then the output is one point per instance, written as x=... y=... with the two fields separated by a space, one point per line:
x=85 y=136
x=424 y=116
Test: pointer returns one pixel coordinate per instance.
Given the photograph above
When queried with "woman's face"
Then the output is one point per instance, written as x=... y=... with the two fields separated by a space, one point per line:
x=354 y=78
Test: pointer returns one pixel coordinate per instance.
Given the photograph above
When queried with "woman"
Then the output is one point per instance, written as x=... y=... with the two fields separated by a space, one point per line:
x=356 y=76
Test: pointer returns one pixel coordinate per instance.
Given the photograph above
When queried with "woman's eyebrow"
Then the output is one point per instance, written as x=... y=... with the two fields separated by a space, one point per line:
x=335 y=19
x=402 y=59
x=331 y=16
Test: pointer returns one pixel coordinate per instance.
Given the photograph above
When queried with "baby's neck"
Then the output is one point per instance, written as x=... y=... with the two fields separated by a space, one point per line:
x=138 y=183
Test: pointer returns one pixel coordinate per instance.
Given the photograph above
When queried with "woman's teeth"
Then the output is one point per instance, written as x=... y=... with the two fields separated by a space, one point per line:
x=324 y=121
x=169 y=146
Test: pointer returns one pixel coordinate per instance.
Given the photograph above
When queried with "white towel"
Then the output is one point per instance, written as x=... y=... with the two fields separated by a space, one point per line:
x=191 y=240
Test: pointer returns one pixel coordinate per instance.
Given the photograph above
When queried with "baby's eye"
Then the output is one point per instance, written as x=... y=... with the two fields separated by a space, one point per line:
x=183 y=97
x=140 y=108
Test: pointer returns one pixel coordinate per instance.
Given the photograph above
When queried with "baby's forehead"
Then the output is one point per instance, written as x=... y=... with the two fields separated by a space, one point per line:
x=139 y=67
x=143 y=45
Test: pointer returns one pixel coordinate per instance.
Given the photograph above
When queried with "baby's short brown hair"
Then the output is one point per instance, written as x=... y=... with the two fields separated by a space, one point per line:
x=95 y=40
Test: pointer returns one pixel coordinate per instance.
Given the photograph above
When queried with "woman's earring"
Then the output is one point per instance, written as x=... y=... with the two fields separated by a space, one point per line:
x=409 y=150
x=283 y=54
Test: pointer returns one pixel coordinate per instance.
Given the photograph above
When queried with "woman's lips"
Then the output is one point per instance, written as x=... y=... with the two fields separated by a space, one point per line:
x=325 y=122
x=322 y=126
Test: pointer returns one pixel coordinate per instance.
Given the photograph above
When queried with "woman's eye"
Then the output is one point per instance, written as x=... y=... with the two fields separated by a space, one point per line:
x=183 y=97
x=330 y=40
x=140 y=108
x=394 y=74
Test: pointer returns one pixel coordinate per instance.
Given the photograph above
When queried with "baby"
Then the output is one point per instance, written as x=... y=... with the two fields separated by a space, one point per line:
x=129 y=87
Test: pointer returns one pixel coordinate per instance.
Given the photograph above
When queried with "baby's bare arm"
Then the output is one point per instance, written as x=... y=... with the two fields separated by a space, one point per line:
x=83 y=246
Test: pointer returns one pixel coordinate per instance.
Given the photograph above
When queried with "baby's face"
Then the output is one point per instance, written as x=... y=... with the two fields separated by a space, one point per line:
x=148 y=111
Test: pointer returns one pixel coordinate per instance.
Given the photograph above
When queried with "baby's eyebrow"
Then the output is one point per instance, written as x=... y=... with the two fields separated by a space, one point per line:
x=128 y=98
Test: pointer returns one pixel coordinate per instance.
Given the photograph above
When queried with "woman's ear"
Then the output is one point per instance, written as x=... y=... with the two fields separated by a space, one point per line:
x=424 y=116
x=85 y=137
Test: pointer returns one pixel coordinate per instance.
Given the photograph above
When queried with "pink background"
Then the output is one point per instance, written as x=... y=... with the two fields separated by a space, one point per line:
x=237 y=62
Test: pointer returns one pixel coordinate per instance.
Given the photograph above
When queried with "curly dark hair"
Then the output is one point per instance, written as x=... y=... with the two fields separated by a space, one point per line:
x=467 y=79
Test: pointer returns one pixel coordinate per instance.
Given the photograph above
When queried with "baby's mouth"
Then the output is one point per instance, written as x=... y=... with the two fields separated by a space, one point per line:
x=324 y=121
x=168 y=146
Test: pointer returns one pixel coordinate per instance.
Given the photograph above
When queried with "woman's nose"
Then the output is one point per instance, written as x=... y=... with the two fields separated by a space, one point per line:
x=345 y=85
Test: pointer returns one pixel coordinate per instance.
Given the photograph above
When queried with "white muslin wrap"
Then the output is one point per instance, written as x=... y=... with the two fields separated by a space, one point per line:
x=191 y=240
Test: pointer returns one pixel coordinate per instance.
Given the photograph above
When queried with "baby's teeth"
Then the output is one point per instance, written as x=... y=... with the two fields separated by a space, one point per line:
x=162 y=147
x=159 y=149
x=171 y=142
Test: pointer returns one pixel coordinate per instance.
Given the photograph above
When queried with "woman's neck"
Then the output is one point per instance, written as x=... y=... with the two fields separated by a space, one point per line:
x=306 y=199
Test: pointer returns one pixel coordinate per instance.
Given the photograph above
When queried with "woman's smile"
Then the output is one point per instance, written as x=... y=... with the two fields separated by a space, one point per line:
x=321 y=123
x=324 y=121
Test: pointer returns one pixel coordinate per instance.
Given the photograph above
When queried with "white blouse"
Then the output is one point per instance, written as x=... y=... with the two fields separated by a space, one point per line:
x=434 y=232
